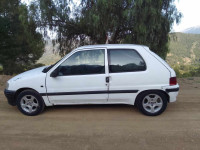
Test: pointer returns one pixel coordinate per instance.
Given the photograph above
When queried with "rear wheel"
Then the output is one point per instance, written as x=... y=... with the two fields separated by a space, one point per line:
x=152 y=103
x=30 y=103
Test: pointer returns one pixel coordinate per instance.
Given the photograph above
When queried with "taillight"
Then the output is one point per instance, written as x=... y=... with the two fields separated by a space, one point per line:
x=172 y=81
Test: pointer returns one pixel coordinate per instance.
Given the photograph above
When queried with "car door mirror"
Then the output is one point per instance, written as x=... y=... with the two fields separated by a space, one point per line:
x=54 y=73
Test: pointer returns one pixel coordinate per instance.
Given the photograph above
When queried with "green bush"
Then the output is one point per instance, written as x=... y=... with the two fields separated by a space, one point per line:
x=183 y=71
x=19 y=68
x=176 y=69
x=1 y=69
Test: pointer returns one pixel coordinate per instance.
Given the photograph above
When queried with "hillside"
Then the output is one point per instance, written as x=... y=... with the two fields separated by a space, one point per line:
x=184 y=49
x=49 y=57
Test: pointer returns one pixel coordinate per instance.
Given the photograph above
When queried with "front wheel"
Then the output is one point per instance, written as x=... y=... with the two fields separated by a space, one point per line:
x=152 y=103
x=30 y=103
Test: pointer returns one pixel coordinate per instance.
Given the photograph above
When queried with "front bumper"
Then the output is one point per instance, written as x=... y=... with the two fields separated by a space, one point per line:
x=10 y=95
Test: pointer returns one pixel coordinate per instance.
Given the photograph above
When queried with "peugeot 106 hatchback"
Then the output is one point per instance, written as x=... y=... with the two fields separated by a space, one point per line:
x=97 y=74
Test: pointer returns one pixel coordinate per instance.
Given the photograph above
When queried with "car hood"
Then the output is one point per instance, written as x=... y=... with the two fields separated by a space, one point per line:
x=28 y=74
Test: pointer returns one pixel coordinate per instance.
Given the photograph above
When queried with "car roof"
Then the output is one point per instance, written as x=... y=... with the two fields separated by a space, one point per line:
x=111 y=46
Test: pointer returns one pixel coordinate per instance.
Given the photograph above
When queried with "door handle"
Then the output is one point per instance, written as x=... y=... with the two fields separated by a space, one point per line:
x=107 y=79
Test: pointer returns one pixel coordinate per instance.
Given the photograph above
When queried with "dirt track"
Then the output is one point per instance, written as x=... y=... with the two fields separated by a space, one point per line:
x=117 y=127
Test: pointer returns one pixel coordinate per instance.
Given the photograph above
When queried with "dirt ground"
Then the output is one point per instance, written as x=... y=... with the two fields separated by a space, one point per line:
x=112 y=127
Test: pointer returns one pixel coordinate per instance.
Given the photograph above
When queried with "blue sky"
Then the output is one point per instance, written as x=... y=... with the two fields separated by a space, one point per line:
x=191 y=14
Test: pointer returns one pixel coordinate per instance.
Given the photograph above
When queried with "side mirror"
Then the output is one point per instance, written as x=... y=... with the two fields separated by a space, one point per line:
x=54 y=73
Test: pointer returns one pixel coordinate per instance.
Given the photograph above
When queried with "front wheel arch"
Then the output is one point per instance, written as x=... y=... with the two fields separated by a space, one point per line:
x=30 y=93
x=21 y=90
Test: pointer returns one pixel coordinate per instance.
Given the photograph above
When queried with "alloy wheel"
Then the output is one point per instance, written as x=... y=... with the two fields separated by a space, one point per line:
x=152 y=103
x=29 y=103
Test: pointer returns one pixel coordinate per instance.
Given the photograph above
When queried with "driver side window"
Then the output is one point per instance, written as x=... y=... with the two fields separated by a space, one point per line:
x=84 y=63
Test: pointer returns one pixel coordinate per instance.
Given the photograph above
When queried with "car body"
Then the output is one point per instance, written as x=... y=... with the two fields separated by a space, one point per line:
x=98 y=74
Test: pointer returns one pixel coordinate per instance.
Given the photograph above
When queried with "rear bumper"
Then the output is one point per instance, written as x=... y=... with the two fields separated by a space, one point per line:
x=10 y=95
x=172 y=91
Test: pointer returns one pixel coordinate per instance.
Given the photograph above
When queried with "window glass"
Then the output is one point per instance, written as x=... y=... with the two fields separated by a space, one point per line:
x=83 y=63
x=125 y=60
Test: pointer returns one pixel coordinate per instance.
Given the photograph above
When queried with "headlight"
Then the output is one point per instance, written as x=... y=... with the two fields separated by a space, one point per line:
x=7 y=85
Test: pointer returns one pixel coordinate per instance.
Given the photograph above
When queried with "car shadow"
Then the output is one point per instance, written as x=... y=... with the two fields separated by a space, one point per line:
x=92 y=108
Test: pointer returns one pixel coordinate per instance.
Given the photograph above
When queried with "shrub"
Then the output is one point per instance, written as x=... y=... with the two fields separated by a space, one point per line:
x=1 y=69
x=187 y=70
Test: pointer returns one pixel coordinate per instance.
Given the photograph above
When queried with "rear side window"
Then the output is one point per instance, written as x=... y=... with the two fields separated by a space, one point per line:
x=84 y=63
x=125 y=60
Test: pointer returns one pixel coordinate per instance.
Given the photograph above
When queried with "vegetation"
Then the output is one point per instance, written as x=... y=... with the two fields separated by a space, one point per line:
x=20 y=44
x=1 y=69
x=187 y=71
x=145 y=22
x=184 y=49
x=184 y=55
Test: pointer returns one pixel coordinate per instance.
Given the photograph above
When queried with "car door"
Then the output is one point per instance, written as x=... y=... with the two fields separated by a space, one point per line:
x=80 y=79
x=127 y=73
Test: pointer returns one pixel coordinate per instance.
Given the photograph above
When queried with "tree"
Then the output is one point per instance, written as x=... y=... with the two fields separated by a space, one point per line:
x=20 y=44
x=145 y=22
x=153 y=22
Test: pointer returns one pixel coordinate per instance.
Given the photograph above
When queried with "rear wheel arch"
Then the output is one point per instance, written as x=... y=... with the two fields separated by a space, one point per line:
x=145 y=91
x=152 y=102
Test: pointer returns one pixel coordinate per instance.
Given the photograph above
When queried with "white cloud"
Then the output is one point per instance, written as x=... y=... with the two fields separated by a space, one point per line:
x=191 y=14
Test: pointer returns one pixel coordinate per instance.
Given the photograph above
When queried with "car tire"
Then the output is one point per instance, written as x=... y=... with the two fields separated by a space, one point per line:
x=30 y=103
x=152 y=103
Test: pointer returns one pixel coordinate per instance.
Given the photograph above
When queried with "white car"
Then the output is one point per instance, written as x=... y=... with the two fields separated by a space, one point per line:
x=97 y=74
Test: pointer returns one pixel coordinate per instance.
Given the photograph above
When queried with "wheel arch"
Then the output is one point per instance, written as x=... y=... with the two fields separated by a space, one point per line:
x=21 y=90
x=156 y=90
x=40 y=102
